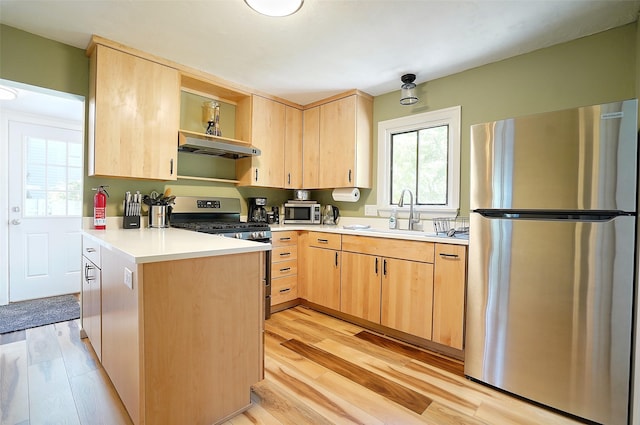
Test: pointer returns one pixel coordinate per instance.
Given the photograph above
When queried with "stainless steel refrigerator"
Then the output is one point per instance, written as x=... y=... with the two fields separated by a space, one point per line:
x=552 y=258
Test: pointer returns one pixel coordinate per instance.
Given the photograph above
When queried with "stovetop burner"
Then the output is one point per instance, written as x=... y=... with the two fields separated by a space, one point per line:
x=221 y=226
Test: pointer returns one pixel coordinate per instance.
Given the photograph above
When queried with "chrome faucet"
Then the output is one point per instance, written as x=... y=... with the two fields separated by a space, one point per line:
x=412 y=220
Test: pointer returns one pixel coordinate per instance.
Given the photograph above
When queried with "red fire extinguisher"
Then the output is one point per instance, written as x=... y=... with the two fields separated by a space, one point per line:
x=100 y=208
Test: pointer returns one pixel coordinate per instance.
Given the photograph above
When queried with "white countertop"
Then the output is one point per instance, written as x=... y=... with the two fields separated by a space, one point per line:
x=147 y=245
x=376 y=229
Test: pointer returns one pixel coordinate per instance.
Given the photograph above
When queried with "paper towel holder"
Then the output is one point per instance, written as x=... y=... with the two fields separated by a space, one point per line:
x=346 y=194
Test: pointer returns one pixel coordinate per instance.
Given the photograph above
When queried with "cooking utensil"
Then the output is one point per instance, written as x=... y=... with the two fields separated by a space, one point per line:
x=301 y=195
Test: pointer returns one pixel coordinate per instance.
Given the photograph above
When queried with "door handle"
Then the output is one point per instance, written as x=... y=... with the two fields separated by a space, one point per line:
x=16 y=222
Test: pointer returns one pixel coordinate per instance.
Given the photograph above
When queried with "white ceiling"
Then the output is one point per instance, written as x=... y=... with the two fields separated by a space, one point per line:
x=329 y=46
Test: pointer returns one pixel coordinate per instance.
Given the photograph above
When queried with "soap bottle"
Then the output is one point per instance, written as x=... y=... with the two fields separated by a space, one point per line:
x=393 y=218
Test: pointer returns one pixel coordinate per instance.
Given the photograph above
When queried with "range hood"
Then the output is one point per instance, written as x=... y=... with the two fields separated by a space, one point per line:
x=202 y=144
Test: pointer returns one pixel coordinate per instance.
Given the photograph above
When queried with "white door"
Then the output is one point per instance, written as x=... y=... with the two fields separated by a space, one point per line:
x=45 y=210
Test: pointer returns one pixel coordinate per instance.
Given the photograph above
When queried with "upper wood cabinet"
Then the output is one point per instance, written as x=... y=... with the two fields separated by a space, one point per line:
x=275 y=129
x=293 y=164
x=134 y=112
x=345 y=142
x=268 y=121
x=311 y=148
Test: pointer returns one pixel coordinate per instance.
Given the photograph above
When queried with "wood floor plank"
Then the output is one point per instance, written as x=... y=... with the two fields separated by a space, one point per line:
x=298 y=386
x=440 y=414
x=288 y=411
x=510 y=410
x=50 y=397
x=77 y=353
x=408 y=398
x=277 y=351
x=255 y=415
x=96 y=400
x=14 y=383
x=42 y=344
x=453 y=366
x=431 y=388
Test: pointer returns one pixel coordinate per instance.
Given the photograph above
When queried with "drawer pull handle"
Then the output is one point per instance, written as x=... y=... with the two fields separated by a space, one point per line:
x=285 y=254
x=285 y=239
x=90 y=249
x=443 y=255
x=286 y=269
x=284 y=291
x=323 y=240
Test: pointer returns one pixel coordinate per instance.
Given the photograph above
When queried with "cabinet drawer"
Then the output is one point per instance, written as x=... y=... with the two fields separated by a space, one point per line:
x=451 y=252
x=284 y=268
x=284 y=238
x=325 y=240
x=284 y=253
x=91 y=250
x=391 y=248
x=284 y=289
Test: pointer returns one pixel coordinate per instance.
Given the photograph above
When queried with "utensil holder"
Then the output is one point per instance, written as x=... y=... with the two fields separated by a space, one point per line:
x=158 y=216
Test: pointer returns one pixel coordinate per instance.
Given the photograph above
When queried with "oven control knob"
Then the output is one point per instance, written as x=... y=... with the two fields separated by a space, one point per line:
x=238 y=236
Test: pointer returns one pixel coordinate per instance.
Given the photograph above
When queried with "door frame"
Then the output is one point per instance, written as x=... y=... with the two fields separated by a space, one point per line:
x=7 y=114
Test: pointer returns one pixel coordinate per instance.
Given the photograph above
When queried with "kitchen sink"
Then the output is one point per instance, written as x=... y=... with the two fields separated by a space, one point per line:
x=416 y=233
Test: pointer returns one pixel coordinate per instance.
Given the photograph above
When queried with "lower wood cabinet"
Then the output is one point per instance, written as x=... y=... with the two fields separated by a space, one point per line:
x=449 y=294
x=91 y=294
x=407 y=294
x=323 y=285
x=284 y=267
x=360 y=286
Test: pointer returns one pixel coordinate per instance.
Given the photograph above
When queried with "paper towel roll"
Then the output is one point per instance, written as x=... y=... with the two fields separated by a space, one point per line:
x=349 y=194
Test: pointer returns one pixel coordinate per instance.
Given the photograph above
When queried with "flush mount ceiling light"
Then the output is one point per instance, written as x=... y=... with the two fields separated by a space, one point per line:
x=7 y=93
x=275 y=7
x=408 y=90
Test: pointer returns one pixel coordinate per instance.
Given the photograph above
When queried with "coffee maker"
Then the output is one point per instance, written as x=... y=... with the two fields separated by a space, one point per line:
x=257 y=210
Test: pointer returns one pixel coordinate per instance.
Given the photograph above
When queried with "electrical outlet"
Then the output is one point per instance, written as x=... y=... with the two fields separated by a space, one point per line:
x=128 y=278
x=371 y=210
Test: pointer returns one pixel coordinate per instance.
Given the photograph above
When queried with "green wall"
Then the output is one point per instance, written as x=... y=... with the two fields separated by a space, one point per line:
x=600 y=68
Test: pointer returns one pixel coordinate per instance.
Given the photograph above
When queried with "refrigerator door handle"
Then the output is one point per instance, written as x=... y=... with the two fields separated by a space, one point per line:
x=591 y=216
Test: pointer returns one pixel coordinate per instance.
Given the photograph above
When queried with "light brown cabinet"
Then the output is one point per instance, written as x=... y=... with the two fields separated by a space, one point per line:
x=150 y=329
x=323 y=261
x=449 y=294
x=276 y=129
x=407 y=294
x=293 y=164
x=268 y=121
x=360 y=286
x=133 y=116
x=284 y=267
x=91 y=294
x=337 y=139
x=345 y=142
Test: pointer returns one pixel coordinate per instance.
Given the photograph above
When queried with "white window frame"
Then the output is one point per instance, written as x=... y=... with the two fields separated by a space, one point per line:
x=448 y=116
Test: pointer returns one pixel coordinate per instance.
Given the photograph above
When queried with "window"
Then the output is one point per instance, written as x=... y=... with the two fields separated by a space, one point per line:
x=421 y=153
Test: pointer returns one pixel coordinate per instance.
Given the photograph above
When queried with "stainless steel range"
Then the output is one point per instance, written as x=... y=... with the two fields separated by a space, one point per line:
x=221 y=216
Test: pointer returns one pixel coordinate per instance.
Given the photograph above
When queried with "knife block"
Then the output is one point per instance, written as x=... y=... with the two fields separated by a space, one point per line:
x=131 y=222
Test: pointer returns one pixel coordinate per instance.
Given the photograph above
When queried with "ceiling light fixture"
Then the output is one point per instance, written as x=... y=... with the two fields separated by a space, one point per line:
x=7 y=93
x=408 y=92
x=275 y=7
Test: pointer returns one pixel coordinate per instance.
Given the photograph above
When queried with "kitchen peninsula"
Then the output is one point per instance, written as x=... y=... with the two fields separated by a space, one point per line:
x=181 y=321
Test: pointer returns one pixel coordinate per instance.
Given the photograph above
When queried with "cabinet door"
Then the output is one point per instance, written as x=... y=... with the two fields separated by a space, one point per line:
x=91 y=313
x=360 y=286
x=267 y=134
x=323 y=284
x=448 y=295
x=407 y=296
x=134 y=113
x=293 y=149
x=311 y=151
x=337 y=143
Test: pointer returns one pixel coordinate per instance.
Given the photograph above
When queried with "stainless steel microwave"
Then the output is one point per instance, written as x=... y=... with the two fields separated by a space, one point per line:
x=302 y=212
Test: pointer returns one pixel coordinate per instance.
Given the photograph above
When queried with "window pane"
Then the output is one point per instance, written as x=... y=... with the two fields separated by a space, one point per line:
x=57 y=203
x=74 y=181
x=74 y=203
x=57 y=152
x=75 y=155
x=404 y=156
x=35 y=203
x=432 y=171
x=56 y=178
x=36 y=151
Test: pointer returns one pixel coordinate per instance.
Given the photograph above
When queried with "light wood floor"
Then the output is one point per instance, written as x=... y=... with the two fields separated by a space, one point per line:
x=319 y=370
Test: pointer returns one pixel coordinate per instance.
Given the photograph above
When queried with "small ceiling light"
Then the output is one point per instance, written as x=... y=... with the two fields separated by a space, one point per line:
x=7 y=93
x=408 y=92
x=275 y=7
